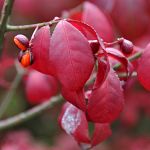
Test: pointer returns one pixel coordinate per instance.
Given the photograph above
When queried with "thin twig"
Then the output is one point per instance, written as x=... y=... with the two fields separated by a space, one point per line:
x=135 y=56
x=131 y=58
x=6 y=11
x=111 y=44
x=22 y=117
x=30 y=26
x=8 y=97
x=124 y=74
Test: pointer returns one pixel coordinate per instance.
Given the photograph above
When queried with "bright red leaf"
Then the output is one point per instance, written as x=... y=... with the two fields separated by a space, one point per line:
x=71 y=56
x=107 y=5
x=101 y=132
x=40 y=48
x=91 y=34
x=73 y=121
x=93 y=16
x=131 y=17
x=144 y=68
x=75 y=97
x=106 y=102
x=102 y=72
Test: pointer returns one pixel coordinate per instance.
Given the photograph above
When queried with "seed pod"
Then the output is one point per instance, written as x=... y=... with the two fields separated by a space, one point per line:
x=126 y=46
x=25 y=58
x=20 y=55
x=21 y=42
x=94 y=45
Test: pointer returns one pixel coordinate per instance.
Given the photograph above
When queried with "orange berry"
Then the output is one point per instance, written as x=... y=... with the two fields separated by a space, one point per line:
x=126 y=46
x=25 y=58
x=21 y=42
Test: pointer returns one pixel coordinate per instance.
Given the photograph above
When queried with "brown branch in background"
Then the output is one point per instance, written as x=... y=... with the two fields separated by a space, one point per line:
x=131 y=58
x=10 y=93
x=12 y=89
x=30 y=26
x=6 y=11
x=22 y=117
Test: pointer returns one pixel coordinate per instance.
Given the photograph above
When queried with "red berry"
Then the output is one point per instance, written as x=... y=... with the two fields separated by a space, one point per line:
x=126 y=46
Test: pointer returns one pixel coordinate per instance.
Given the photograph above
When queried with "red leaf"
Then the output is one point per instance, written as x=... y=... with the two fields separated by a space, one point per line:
x=40 y=48
x=144 y=68
x=93 y=16
x=107 y=5
x=74 y=122
x=131 y=23
x=75 y=97
x=103 y=69
x=71 y=56
x=106 y=102
x=88 y=32
x=101 y=133
x=40 y=87
x=91 y=34
x=74 y=15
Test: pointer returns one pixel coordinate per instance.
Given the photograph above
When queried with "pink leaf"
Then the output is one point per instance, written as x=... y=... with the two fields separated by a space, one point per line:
x=131 y=23
x=71 y=56
x=101 y=133
x=103 y=69
x=88 y=31
x=93 y=16
x=85 y=29
x=106 y=102
x=40 y=87
x=74 y=122
x=107 y=5
x=75 y=97
x=40 y=48
x=144 y=68
x=91 y=34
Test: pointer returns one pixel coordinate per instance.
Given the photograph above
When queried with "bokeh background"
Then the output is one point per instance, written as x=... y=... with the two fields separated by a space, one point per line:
x=130 y=19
